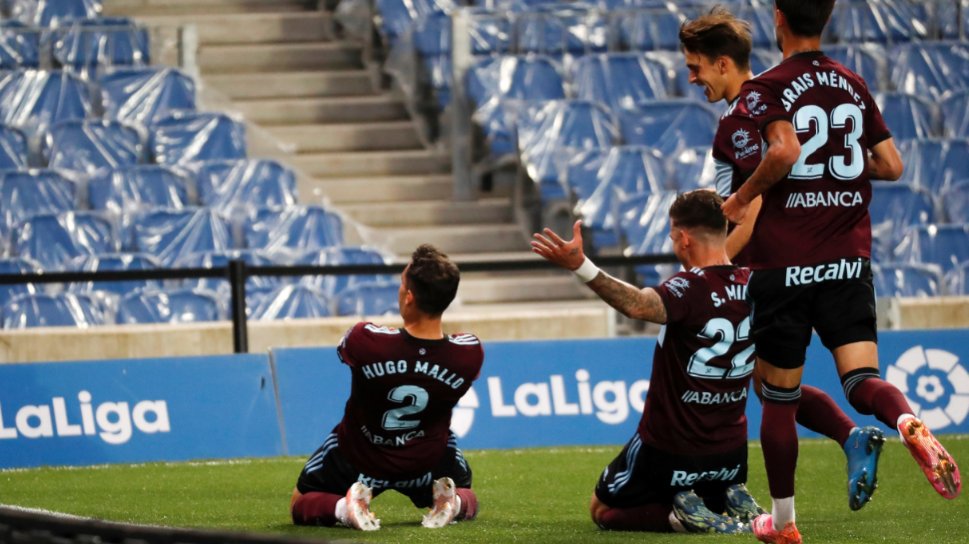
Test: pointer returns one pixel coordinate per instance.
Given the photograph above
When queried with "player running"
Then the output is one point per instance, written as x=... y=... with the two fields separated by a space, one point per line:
x=687 y=462
x=810 y=250
x=395 y=428
x=716 y=47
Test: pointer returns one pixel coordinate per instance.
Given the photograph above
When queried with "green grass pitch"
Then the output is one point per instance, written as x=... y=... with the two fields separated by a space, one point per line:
x=526 y=495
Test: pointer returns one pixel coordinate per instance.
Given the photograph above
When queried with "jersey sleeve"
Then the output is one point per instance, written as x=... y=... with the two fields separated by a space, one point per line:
x=345 y=350
x=875 y=124
x=762 y=103
x=675 y=294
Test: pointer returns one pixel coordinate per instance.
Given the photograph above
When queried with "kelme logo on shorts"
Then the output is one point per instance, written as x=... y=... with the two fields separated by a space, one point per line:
x=934 y=383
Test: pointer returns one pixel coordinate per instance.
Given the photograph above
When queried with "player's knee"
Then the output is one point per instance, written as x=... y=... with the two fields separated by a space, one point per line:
x=597 y=509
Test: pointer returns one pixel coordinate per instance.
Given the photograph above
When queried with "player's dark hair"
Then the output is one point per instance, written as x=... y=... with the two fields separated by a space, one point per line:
x=699 y=209
x=718 y=33
x=433 y=279
x=806 y=17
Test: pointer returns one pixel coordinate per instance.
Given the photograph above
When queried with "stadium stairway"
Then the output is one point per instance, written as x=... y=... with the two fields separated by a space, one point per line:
x=281 y=64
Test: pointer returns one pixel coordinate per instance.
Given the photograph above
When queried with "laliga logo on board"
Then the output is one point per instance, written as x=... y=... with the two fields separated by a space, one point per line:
x=934 y=383
x=462 y=417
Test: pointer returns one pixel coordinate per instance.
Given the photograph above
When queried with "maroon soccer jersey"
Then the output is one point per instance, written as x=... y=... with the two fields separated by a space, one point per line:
x=737 y=150
x=819 y=211
x=403 y=389
x=702 y=364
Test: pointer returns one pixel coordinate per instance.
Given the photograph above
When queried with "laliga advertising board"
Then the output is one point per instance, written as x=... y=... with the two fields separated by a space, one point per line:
x=575 y=392
x=548 y=393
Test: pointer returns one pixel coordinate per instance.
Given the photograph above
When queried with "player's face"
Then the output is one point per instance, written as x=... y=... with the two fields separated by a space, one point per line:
x=707 y=74
x=402 y=291
x=679 y=247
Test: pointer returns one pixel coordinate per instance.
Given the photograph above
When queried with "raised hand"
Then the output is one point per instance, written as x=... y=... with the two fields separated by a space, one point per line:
x=567 y=254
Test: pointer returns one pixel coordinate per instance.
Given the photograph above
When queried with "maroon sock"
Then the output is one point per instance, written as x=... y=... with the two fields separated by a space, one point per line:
x=819 y=413
x=469 y=504
x=315 y=509
x=649 y=517
x=876 y=396
x=778 y=438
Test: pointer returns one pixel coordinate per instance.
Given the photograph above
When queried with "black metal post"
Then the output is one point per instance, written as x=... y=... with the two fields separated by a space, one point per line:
x=237 y=301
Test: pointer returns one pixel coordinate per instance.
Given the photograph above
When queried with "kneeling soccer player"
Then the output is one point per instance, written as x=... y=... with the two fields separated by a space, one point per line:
x=685 y=468
x=395 y=429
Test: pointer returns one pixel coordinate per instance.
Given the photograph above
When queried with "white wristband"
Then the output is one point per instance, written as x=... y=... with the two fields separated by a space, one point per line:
x=587 y=271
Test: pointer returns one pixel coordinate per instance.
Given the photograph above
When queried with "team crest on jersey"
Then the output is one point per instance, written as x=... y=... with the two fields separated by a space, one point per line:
x=677 y=286
x=753 y=103
x=743 y=147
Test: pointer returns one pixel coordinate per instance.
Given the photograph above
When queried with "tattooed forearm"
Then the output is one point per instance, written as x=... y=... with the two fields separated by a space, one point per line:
x=629 y=300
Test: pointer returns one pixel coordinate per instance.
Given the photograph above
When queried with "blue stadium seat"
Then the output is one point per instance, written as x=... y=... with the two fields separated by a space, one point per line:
x=60 y=310
x=169 y=234
x=33 y=100
x=646 y=230
x=245 y=182
x=133 y=188
x=53 y=13
x=649 y=29
x=550 y=133
x=908 y=116
x=669 y=125
x=145 y=95
x=86 y=146
x=760 y=15
x=17 y=265
x=430 y=44
x=621 y=80
x=113 y=262
x=951 y=17
x=693 y=168
x=955 y=115
x=54 y=239
x=944 y=245
x=955 y=201
x=87 y=45
x=32 y=192
x=499 y=86
x=490 y=31
x=931 y=70
x=608 y=177
x=13 y=148
x=883 y=22
x=396 y=17
x=220 y=259
x=186 y=136
x=295 y=228
x=561 y=30
x=292 y=302
x=868 y=60
x=333 y=284
x=366 y=299
x=169 y=306
x=907 y=280
x=19 y=46
x=894 y=208
x=934 y=164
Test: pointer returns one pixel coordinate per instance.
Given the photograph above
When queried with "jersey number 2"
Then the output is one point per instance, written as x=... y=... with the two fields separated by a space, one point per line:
x=812 y=116
x=414 y=399
x=721 y=330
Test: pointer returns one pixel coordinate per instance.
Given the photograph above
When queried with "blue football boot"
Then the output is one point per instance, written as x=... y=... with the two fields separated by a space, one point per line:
x=862 y=449
x=694 y=515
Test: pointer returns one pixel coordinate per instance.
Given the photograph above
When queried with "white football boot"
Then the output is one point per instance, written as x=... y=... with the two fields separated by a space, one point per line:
x=359 y=515
x=445 y=507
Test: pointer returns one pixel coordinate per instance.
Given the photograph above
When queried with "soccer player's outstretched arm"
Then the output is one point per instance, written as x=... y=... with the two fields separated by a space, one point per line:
x=783 y=149
x=740 y=235
x=885 y=162
x=632 y=302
